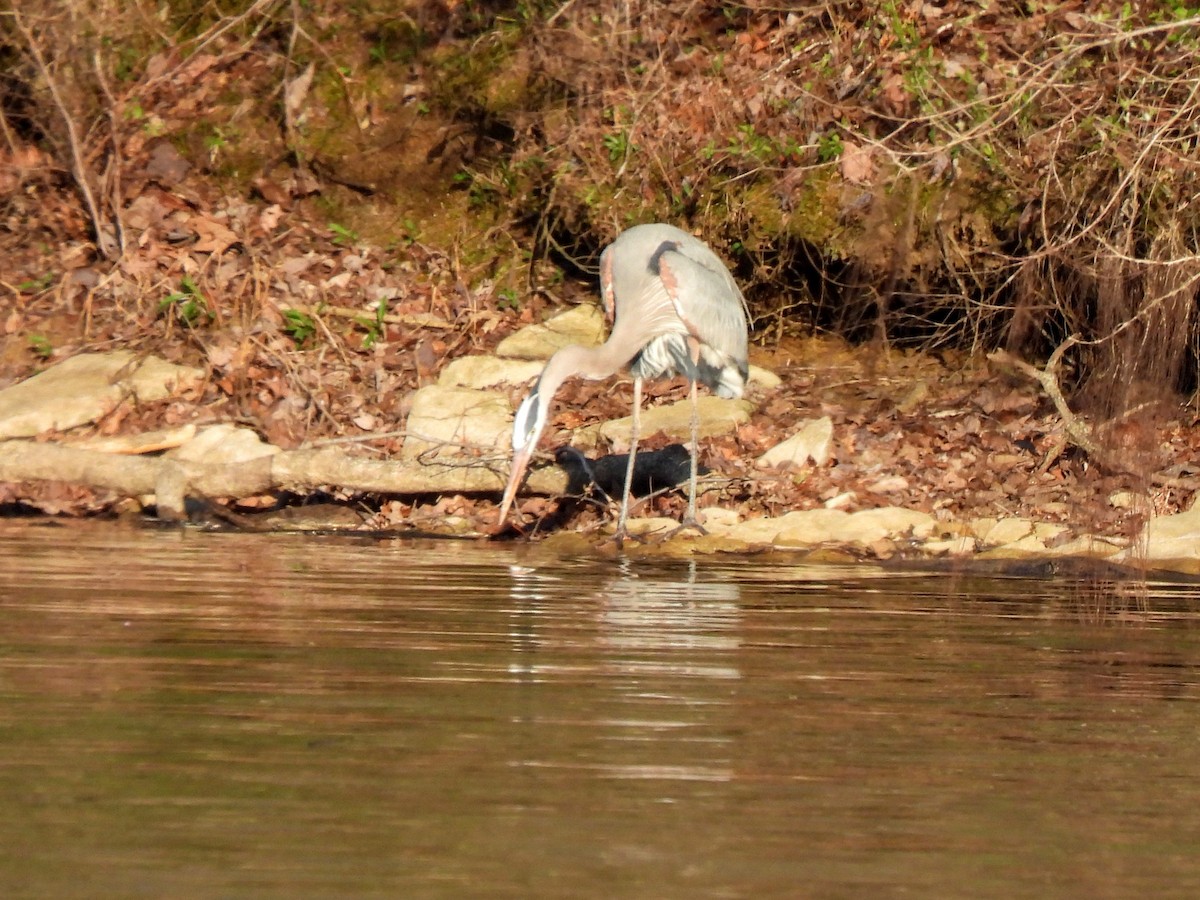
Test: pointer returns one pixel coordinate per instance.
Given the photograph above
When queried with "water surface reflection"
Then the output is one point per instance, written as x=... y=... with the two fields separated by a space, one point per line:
x=187 y=714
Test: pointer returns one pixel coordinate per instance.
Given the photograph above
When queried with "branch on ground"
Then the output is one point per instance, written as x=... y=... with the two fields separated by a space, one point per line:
x=171 y=480
x=1076 y=431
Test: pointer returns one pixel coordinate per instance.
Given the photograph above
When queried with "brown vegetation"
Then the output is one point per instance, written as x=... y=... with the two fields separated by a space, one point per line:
x=321 y=206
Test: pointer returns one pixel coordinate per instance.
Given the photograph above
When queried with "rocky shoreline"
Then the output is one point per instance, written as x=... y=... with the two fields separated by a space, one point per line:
x=454 y=441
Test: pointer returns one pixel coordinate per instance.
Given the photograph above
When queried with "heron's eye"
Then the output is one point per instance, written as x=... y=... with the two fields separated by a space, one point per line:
x=525 y=422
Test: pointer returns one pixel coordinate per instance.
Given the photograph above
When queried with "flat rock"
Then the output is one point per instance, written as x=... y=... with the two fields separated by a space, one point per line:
x=650 y=525
x=963 y=545
x=1030 y=545
x=818 y=526
x=85 y=388
x=718 y=517
x=142 y=442
x=799 y=528
x=1169 y=537
x=764 y=378
x=582 y=325
x=1088 y=545
x=1005 y=531
x=869 y=525
x=488 y=371
x=452 y=421
x=812 y=441
x=717 y=416
x=223 y=444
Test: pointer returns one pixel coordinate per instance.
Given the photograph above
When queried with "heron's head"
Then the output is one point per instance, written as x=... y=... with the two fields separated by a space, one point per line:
x=527 y=428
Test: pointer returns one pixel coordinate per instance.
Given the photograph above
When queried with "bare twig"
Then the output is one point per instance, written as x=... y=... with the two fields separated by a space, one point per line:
x=1078 y=431
x=106 y=239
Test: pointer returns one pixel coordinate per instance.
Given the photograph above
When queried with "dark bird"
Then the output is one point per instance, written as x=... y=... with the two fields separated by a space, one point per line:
x=675 y=309
x=654 y=470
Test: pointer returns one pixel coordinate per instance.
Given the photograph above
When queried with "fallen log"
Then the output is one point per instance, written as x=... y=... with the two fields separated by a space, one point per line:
x=172 y=480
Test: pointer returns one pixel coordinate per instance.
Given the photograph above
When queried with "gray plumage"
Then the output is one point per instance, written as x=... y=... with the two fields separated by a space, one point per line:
x=675 y=309
x=683 y=288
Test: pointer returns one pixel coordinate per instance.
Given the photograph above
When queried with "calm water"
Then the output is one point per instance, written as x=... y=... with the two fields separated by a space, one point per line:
x=199 y=715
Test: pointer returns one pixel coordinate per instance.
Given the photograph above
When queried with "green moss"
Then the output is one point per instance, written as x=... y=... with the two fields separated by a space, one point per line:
x=491 y=77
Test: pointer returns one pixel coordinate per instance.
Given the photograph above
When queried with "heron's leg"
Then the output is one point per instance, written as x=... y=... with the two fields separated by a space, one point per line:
x=689 y=522
x=634 y=430
x=690 y=518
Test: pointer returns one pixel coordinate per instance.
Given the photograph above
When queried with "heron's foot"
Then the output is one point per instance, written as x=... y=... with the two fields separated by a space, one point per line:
x=688 y=524
x=621 y=535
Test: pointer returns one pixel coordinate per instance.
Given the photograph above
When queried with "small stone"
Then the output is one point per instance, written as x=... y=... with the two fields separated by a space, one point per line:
x=223 y=444
x=83 y=388
x=1006 y=531
x=889 y=485
x=449 y=421
x=717 y=416
x=719 y=518
x=811 y=442
x=764 y=378
x=488 y=371
x=582 y=325
x=955 y=546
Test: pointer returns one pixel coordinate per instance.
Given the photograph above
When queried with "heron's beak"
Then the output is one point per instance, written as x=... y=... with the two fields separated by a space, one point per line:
x=519 y=464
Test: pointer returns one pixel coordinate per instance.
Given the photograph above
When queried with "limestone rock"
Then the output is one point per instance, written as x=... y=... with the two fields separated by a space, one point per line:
x=1030 y=545
x=488 y=371
x=812 y=441
x=86 y=387
x=451 y=419
x=799 y=528
x=868 y=525
x=817 y=526
x=224 y=444
x=142 y=442
x=717 y=416
x=963 y=545
x=1048 y=531
x=1088 y=545
x=764 y=378
x=650 y=525
x=580 y=325
x=717 y=517
x=1005 y=531
x=1169 y=537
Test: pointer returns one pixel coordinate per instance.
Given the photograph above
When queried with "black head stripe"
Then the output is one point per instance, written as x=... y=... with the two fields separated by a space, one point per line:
x=656 y=258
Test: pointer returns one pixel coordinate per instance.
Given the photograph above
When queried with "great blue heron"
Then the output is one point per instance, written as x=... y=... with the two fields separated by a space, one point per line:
x=675 y=309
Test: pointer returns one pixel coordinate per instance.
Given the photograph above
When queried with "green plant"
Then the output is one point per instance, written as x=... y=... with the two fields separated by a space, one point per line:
x=617 y=145
x=342 y=234
x=411 y=232
x=36 y=285
x=215 y=143
x=508 y=299
x=376 y=326
x=41 y=345
x=188 y=305
x=829 y=147
x=299 y=325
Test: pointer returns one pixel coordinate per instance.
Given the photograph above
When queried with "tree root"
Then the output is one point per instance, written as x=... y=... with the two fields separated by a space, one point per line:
x=1076 y=431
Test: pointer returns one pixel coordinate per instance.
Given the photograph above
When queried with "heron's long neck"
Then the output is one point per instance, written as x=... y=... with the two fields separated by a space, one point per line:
x=585 y=362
